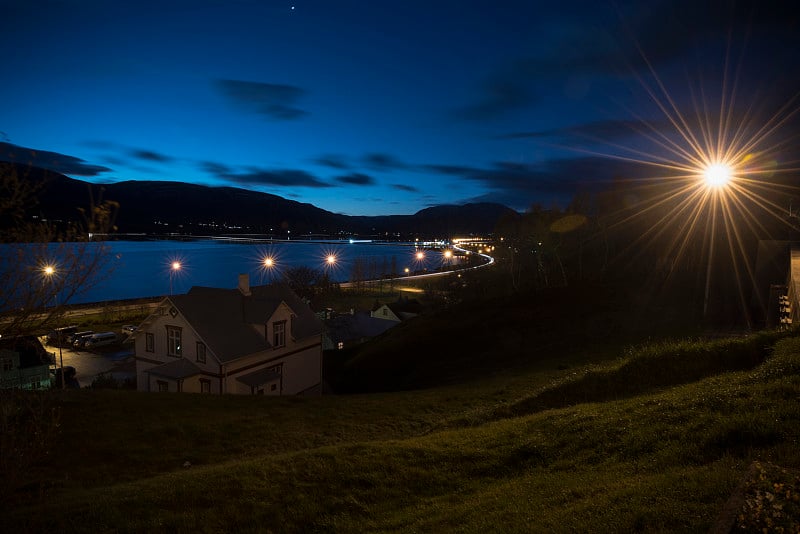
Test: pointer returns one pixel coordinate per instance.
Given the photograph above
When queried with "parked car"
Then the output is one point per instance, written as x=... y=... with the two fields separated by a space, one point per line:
x=99 y=340
x=129 y=329
x=60 y=334
x=71 y=338
x=80 y=338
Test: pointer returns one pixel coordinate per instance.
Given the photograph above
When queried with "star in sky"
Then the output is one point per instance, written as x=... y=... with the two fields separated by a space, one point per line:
x=383 y=108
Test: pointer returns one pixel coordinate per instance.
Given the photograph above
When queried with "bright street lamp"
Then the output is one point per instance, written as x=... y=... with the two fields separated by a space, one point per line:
x=268 y=263
x=717 y=175
x=49 y=271
x=174 y=269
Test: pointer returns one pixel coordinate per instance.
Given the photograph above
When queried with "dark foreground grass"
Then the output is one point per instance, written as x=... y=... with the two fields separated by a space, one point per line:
x=663 y=460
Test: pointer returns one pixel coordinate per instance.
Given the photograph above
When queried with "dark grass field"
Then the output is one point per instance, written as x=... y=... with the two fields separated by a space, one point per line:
x=495 y=415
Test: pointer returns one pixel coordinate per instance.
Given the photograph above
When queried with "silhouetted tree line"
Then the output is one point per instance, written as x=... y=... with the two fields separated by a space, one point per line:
x=657 y=242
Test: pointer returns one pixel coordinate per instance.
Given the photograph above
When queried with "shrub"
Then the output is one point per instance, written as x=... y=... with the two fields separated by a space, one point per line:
x=29 y=425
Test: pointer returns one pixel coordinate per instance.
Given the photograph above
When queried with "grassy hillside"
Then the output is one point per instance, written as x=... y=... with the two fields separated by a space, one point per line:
x=655 y=440
x=531 y=330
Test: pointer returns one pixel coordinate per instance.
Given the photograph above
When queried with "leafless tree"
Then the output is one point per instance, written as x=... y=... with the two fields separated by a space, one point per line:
x=45 y=265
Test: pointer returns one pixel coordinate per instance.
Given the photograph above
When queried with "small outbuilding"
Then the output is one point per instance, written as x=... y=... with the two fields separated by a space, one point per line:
x=24 y=363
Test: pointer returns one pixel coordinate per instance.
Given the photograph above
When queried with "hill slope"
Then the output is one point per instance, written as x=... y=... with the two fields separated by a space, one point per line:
x=477 y=457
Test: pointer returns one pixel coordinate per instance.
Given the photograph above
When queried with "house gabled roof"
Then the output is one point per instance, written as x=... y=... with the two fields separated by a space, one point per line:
x=176 y=369
x=30 y=350
x=259 y=377
x=231 y=323
x=402 y=307
x=347 y=327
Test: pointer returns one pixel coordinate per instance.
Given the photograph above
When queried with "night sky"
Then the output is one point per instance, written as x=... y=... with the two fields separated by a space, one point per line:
x=379 y=107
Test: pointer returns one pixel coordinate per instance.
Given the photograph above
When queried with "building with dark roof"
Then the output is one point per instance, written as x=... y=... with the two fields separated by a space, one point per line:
x=24 y=363
x=248 y=340
x=400 y=310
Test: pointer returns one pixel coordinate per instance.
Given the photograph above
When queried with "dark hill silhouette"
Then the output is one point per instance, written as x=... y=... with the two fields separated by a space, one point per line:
x=176 y=207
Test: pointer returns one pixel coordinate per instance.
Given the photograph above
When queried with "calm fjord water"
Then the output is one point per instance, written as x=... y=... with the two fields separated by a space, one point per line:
x=143 y=268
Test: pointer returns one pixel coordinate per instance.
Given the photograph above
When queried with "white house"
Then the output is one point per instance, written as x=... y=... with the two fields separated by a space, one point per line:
x=262 y=340
x=397 y=311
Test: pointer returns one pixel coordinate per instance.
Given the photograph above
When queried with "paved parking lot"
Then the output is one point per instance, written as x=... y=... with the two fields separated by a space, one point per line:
x=90 y=364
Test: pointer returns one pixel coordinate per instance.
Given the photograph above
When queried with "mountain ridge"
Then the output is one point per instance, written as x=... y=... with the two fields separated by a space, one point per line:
x=181 y=207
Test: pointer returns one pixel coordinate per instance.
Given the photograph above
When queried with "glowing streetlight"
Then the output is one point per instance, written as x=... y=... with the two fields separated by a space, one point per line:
x=267 y=265
x=49 y=272
x=330 y=260
x=420 y=256
x=175 y=267
x=717 y=175
x=407 y=270
x=448 y=254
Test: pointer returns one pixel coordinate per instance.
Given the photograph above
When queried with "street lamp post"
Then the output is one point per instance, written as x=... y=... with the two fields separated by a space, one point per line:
x=50 y=271
x=174 y=268
x=269 y=263
x=717 y=176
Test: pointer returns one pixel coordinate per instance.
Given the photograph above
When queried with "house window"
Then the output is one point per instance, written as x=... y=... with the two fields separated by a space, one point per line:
x=174 y=341
x=149 y=342
x=273 y=387
x=201 y=352
x=385 y=312
x=162 y=385
x=7 y=364
x=279 y=334
x=205 y=386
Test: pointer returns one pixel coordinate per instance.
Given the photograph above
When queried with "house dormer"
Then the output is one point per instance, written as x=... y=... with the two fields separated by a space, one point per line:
x=278 y=327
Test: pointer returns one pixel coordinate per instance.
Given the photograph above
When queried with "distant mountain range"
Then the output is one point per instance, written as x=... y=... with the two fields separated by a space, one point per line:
x=175 y=207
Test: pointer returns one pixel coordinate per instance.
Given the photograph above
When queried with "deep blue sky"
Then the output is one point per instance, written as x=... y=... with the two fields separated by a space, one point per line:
x=379 y=107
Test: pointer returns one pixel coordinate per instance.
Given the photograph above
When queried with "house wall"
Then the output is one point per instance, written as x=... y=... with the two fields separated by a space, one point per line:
x=146 y=360
x=301 y=367
x=301 y=360
x=384 y=312
x=793 y=285
x=188 y=385
x=36 y=377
